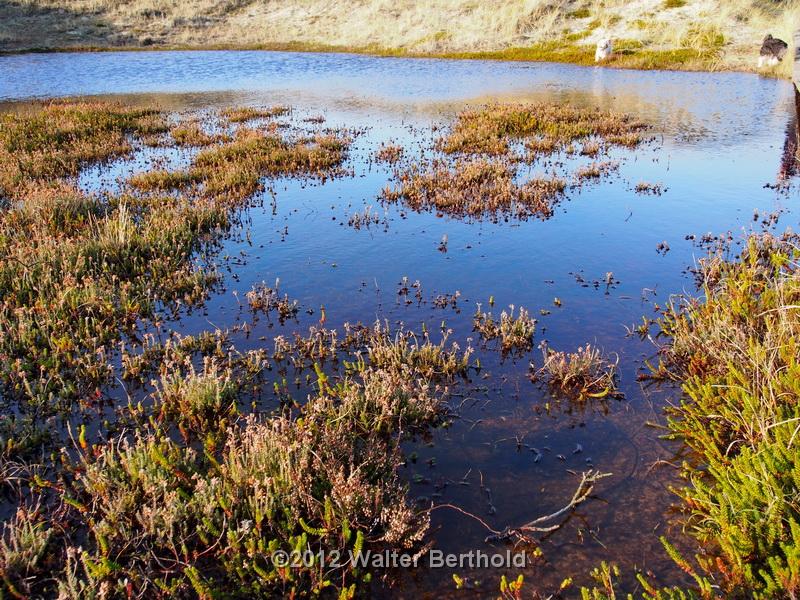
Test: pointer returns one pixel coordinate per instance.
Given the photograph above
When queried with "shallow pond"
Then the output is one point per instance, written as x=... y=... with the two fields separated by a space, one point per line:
x=718 y=153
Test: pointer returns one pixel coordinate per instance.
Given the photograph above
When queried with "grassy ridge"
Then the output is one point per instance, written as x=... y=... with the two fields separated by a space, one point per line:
x=695 y=34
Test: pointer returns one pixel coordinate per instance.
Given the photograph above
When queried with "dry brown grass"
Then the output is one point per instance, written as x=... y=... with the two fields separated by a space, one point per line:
x=701 y=34
x=544 y=127
x=232 y=172
x=474 y=188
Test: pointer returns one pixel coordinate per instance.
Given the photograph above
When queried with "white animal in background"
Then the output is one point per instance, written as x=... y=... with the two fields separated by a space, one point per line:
x=604 y=50
x=772 y=52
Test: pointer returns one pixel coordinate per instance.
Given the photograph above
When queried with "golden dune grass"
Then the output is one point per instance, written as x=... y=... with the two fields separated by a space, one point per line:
x=726 y=33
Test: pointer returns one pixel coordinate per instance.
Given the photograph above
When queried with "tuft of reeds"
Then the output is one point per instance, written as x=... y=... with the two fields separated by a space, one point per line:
x=323 y=479
x=406 y=353
x=489 y=129
x=514 y=331
x=233 y=171
x=475 y=188
x=580 y=375
x=264 y=299
x=249 y=113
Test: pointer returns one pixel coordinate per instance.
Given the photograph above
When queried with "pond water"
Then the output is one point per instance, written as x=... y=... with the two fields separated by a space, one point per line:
x=718 y=153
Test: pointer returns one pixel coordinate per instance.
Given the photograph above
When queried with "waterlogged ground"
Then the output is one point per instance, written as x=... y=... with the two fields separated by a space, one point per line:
x=515 y=453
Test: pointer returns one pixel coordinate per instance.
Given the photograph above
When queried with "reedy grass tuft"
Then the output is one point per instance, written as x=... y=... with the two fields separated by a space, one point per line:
x=580 y=375
x=490 y=129
x=515 y=332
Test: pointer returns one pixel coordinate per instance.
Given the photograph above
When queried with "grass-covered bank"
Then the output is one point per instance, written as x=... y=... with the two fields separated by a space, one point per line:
x=735 y=352
x=631 y=54
x=654 y=34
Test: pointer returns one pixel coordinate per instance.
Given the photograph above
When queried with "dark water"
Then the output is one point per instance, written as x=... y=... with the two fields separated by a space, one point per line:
x=718 y=152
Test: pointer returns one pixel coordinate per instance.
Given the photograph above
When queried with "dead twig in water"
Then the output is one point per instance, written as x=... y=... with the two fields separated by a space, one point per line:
x=523 y=532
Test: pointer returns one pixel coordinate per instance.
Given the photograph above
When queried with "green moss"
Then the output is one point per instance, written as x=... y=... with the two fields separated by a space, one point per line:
x=580 y=13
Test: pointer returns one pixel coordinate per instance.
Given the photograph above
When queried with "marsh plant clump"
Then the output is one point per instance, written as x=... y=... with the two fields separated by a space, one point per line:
x=476 y=173
x=57 y=138
x=647 y=188
x=515 y=332
x=595 y=170
x=476 y=188
x=581 y=375
x=492 y=129
x=249 y=113
x=163 y=517
x=79 y=271
x=233 y=171
x=364 y=218
x=192 y=488
x=264 y=299
x=389 y=153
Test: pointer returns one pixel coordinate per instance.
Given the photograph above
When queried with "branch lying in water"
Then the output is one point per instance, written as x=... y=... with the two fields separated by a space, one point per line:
x=523 y=532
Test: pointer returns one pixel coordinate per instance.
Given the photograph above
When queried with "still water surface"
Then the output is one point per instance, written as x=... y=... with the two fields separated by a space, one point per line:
x=718 y=151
